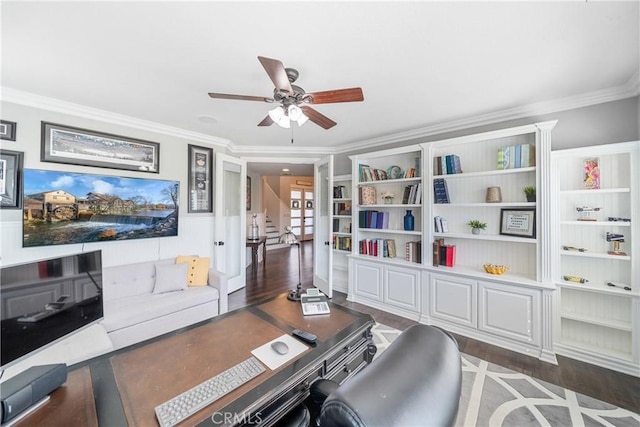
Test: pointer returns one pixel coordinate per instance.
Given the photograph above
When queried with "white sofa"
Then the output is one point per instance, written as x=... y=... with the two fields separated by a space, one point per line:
x=133 y=312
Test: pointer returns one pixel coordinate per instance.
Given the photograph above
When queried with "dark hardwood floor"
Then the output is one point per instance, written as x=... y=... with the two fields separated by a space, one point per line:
x=281 y=274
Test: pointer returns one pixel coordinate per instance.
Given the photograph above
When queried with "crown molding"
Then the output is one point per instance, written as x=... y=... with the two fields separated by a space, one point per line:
x=628 y=90
x=29 y=99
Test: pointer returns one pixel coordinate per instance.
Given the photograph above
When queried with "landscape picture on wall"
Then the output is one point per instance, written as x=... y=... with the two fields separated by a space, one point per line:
x=65 y=207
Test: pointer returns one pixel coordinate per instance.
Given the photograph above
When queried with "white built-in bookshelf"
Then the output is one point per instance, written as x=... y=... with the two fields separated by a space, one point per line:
x=594 y=321
x=341 y=231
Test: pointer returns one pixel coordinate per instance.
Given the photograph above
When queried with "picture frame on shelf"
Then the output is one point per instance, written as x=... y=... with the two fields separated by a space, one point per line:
x=10 y=178
x=518 y=222
x=83 y=147
x=8 y=130
x=200 y=179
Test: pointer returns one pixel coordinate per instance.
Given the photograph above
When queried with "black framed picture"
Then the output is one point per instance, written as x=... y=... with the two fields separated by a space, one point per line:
x=8 y=130
x=200 y=179
x=248 y=193
x=75 y=146
x=10 y=178
x=518 y=222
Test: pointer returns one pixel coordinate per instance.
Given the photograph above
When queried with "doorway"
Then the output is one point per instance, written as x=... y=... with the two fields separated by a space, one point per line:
x=302 y=213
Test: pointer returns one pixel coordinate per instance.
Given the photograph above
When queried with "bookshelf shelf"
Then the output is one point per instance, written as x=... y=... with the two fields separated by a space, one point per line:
x=488 y=205
x=488 y=237
x=595 y=322
x=493 y=172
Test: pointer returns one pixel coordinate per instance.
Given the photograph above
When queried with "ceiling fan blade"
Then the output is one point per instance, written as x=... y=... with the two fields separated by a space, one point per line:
x=239 y=97
x=277 y=74
x=318 y=118
x=340 y=95
x=266 y=121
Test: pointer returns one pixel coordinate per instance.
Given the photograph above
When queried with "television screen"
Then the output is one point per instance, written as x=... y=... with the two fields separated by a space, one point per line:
x=44 y=301
x=69 y=207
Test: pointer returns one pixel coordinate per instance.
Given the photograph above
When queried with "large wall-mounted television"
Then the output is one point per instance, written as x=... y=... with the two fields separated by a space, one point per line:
x=47 y=300
x=61 y=208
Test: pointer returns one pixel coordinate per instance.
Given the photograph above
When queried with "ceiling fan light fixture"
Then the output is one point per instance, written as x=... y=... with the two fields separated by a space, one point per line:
x=302 y=120
x=279 y=116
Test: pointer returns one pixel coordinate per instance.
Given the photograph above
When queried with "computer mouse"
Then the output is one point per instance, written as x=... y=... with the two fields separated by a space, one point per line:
x=280 y=347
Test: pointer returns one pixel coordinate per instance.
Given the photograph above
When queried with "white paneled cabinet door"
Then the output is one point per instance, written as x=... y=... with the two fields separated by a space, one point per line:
x=322 y=261
x=230 y=220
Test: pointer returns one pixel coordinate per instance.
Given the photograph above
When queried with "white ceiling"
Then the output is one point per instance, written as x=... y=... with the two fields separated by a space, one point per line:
x=420 y=64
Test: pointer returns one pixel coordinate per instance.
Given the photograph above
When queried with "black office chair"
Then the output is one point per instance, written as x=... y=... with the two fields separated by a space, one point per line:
x=415 y=382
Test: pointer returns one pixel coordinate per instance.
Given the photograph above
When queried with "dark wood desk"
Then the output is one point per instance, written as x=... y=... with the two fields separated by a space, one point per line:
x=123 y=387
x=255 y=246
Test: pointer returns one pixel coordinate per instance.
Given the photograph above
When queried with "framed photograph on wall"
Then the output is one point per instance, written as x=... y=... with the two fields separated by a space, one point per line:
x=74 y=146
x=62 y=208
x=8 y=130
x=200 y=179
x=518 y=222
x=10 y=177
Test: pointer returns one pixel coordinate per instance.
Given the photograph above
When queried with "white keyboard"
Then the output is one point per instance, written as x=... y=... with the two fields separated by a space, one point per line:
x=191 y=401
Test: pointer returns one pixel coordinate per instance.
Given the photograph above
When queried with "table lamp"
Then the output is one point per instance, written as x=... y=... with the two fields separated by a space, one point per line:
x=288 y=238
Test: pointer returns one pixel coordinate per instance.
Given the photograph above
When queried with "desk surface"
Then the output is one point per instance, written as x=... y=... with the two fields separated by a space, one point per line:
x=129 y=383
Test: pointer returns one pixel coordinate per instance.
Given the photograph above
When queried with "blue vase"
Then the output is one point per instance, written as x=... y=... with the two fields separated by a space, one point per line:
x=408 y=221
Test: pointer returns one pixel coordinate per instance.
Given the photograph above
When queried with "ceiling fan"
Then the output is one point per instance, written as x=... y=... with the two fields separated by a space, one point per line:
x=294 y=101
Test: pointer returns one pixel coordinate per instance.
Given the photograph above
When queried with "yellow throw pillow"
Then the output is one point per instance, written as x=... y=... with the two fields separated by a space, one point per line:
x=198 y=270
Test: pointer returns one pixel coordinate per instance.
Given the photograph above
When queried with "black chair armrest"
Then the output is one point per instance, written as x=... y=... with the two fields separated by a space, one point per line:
x=321 y=389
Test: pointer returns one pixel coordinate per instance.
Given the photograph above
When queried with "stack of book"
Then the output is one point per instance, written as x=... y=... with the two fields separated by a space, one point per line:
x=443 y=254
x=373 y=219
x=445 y=165
x=413 y=251
x=385 y=248
x=412 y=194
x=440 y=224
x=516 y=156
x=367 y=173
x=339 y=192
x=440 y=191
x=342 y=242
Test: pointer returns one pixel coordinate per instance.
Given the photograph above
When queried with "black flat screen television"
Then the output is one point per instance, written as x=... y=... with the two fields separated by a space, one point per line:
x=47 y=300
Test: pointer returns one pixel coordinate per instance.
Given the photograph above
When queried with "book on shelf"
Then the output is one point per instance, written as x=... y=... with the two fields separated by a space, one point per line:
x=339 y=192
x=413 y=251
x=446 y=254
x=368 y=195
x=446 y=165
x=342 y=243
x=440 y=191
x=440 y=224
x=367 y=173
x=437 y=244
x=383 y=248
x=516 y=156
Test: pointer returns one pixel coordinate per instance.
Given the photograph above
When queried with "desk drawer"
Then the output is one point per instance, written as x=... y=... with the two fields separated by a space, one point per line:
x=357 y=360
x=347 y=349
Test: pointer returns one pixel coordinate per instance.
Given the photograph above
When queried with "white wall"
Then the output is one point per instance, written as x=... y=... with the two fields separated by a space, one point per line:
x=195 y=231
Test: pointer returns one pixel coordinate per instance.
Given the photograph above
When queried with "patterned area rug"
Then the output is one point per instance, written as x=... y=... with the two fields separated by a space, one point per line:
x=497 y=396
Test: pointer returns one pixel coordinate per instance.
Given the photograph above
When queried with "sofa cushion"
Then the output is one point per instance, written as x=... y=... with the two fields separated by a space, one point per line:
x=198 y=271
x=131 y=279
x=170 y=278
x=124 y=312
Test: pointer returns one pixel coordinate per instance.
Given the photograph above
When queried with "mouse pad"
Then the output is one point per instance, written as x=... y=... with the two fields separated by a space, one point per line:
x=273 y=360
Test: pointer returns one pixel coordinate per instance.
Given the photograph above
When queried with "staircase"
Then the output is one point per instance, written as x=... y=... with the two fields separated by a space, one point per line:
x=273 y=235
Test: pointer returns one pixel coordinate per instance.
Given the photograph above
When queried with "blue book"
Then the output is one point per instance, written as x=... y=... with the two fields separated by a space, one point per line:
x=517 y=159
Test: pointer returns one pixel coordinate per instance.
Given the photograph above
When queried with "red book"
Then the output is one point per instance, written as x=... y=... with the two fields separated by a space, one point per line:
x=451 y=255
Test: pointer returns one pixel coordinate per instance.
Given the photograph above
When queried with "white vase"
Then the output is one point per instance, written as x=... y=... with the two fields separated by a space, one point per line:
x=475 y=230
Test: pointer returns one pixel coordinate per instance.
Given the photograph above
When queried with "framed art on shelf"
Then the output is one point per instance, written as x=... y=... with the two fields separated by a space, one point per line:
x=10 y=177
x=518 y=222
x=8 y=130
x=75 y=146
x=200 y=179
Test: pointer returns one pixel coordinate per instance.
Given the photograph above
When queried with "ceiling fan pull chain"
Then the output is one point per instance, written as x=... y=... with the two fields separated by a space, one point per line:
x=292 y=134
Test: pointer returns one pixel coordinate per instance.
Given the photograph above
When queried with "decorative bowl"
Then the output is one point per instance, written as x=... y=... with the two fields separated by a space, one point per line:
x=495 y=269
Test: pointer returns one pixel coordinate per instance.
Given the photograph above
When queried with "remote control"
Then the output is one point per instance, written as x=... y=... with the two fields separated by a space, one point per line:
x=305 y=336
